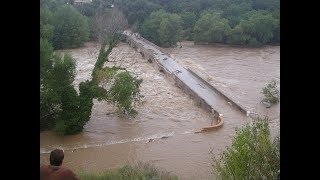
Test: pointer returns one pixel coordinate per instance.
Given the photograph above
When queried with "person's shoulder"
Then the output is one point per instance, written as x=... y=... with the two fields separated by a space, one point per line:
x=68 y=172
x=44 y=167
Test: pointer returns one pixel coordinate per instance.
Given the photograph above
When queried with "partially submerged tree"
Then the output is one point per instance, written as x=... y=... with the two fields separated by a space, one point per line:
x=271 y=93
x=124 y=92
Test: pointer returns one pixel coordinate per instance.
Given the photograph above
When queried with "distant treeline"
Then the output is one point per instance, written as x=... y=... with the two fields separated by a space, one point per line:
x=241 y=22
x=165 y=22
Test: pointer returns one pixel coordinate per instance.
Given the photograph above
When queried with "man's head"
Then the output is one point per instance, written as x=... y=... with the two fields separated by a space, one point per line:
x=56 y=157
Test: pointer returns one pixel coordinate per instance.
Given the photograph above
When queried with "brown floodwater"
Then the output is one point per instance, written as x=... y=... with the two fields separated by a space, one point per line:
x=110 y=141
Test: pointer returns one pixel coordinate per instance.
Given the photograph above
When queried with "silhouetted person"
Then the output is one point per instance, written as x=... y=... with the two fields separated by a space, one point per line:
x=55 y=171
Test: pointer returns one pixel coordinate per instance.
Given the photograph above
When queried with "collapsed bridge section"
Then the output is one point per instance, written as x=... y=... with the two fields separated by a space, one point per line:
x=204 y=95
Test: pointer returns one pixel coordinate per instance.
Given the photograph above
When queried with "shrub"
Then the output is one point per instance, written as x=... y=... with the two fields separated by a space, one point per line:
x=251 y=155
x=271 y=93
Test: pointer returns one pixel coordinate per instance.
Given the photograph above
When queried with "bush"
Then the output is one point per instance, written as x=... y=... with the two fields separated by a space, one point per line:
x=251 y=155
x=140 y=171
x=271 y=93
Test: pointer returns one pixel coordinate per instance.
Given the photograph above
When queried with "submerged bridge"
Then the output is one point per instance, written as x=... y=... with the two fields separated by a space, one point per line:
x=204 y=94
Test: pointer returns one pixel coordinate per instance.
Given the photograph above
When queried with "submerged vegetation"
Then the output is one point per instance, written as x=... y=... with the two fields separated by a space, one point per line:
x=271 y=93
x=252 y=154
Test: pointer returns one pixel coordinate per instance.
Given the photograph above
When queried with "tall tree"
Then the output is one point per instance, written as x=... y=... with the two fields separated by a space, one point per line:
x=109 y=21
x=162 y=28
x=211 y=27
x=70 y=28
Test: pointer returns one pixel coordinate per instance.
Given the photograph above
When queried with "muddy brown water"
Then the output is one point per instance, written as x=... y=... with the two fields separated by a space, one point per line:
x=110 y=141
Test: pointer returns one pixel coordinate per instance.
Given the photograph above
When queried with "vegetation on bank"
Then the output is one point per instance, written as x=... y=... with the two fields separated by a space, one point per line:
x=241 y=22
x=252 y=154
x=139 y=171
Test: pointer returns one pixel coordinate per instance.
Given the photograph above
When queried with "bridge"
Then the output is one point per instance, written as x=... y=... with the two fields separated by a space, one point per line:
x=204 y=94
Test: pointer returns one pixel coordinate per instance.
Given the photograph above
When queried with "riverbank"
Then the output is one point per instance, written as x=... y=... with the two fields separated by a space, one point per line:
x=138 y=171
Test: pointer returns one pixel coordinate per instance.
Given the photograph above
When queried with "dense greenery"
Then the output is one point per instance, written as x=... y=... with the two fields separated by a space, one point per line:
x=241 y=22
x=70 y=28
x=211 y=27
x=124 y=92
x=139 y=171
x=62 y=25
x=61 y=108
x=252 y=155
x=162 y=28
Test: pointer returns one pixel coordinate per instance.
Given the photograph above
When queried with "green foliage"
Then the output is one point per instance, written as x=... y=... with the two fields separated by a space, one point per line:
x=61 y=108
x=256 y=29
x=124 y=92
x=49 y=99
x=188 y=22
x=46 y=32
x=237 y=22
x=252 y=155
x=170 y=30
x=140 y=171
x=138 y=10
x=162 y=28
x=259 y=26
x=211 y=27
x=71 y=29
x=271 y=93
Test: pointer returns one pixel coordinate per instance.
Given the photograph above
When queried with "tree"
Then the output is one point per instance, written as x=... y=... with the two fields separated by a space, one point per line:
x=49 y=99
x=70 y=28
x=188 y=22
x=124 y=91
x=137 y=11
x=259 y=26
x=108 y=22
x=170 y=30
x=211 y=27
x=252 y=155
x=46 y=21
x=162 y=28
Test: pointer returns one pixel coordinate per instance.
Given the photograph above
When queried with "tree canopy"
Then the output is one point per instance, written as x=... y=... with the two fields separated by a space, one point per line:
x=162 y=28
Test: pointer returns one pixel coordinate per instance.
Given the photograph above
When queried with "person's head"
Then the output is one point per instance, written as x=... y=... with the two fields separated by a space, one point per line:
x=56 y=157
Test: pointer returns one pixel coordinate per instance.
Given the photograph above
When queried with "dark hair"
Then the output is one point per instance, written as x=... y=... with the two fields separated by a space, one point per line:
x=56 y=157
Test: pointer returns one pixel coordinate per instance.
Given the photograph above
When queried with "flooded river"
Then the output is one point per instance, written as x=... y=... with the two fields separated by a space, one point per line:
x=166 y=114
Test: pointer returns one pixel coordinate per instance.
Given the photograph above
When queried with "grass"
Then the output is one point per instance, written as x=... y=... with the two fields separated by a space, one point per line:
x=141 y=171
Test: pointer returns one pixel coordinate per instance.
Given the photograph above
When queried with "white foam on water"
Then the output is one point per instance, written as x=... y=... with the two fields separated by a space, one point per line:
x=85 y=146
